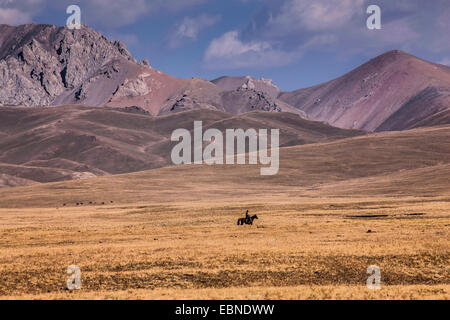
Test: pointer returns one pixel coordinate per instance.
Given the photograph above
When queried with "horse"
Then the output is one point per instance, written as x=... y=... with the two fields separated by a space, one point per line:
x=242 y=221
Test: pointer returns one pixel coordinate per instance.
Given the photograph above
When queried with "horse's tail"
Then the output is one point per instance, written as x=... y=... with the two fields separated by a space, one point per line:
x=239 y=222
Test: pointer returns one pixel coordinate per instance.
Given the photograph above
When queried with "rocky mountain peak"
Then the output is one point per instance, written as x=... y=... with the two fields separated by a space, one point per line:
x=41 y=62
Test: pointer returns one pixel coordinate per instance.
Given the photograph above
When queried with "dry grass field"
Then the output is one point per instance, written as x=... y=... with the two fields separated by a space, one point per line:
x=151 y=251
x=171 y=233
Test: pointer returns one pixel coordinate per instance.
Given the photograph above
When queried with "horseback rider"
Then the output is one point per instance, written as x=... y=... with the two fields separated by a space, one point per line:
x=247 y=219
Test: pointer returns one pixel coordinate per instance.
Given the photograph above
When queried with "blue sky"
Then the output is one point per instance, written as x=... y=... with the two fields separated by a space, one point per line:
x=297 y=43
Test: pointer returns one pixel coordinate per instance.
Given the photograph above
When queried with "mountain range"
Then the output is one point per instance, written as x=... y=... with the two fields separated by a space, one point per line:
x=46 y=65
x=75 y=105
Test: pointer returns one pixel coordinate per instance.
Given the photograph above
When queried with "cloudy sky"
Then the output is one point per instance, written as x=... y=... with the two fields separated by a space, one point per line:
x=297 y=43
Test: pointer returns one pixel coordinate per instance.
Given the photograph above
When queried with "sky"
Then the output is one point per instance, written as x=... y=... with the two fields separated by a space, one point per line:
x=297 y=43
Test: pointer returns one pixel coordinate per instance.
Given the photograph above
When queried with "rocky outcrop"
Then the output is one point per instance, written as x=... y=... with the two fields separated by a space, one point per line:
x=263 y=85
x=207 y=95
x=248 y=99
x=41 y=63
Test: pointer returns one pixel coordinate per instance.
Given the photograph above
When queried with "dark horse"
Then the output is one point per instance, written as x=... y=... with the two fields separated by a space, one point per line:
x=249 y=220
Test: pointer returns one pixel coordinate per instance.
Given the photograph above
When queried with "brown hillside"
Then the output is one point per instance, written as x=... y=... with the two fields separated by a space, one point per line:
x=414 y=162
x=72 y=142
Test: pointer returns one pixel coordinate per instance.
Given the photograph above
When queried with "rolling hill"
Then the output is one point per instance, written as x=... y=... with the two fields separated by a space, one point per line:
x=73 y=142
x=408 y=163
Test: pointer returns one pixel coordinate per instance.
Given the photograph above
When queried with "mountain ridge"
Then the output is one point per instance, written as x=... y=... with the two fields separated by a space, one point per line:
x=366 y=97
x=47 y=65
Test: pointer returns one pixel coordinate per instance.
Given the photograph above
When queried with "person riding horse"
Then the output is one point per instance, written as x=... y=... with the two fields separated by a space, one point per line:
x=247 y=220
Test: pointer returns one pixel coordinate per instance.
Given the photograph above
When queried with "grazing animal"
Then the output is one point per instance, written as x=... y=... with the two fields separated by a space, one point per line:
x=249 y=220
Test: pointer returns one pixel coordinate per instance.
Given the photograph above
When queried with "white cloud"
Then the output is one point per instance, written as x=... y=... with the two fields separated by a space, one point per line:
x=228 y=51
x=316 y=15
x=445 y=61
x=229 y=45
x=190 y=28
x=398 y=31
x=288 y=29
x=111 y=14
x=13 y=17
x=119 y=13
x=16 y=12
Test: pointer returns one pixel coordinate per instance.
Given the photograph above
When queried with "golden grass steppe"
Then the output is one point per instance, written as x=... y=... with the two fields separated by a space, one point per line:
x=334 y=209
